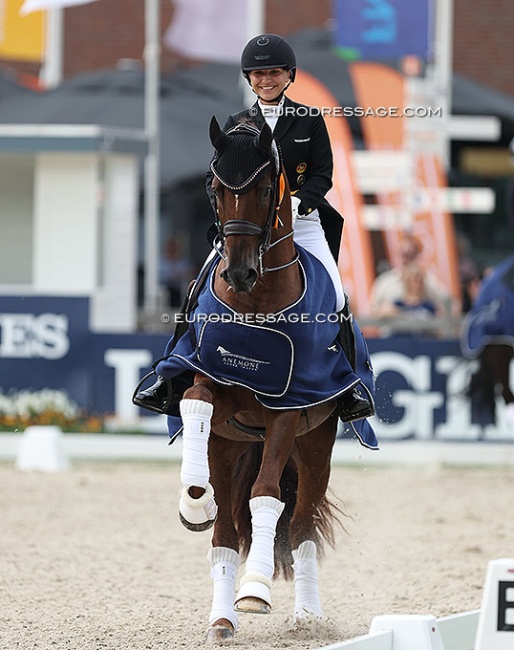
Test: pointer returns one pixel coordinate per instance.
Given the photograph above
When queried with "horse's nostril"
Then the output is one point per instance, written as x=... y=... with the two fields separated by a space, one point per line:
x=252 y=277
x=240 y=279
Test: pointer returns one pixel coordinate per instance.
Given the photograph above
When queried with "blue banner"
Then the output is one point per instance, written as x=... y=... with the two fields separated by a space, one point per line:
x=384 y=30
x=46 y=343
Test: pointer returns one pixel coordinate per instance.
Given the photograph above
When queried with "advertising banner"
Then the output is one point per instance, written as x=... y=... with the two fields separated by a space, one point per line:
x=21 y=37
x=421 y=383
x=383 y=30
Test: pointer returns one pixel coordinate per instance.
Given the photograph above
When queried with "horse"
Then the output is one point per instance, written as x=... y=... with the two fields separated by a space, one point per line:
x=487 y=336
x=257 y=475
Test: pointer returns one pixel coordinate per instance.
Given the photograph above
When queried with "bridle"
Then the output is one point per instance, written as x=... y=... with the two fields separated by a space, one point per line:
x=234 y=227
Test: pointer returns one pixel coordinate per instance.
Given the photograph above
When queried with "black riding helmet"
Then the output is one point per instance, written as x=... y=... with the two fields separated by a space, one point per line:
x=268 y=51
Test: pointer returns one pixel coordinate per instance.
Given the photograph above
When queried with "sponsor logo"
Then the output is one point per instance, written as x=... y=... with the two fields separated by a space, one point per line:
x=239 y=361
x=26 y=336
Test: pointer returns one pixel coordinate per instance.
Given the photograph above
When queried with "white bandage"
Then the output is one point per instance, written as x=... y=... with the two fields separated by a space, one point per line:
x=196 y=418
x=265 y=514
x=295 y=205
x=307 y=604
x=224 y=563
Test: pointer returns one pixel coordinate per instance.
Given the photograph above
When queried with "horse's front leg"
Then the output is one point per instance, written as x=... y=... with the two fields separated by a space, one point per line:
x=254 y=595
x=197 y=507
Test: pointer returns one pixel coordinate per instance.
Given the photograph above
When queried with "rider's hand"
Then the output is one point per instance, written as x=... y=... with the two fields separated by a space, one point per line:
x=295 y=207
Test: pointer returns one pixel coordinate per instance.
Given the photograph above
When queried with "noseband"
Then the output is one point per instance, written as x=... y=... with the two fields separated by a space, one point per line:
x=243 y=226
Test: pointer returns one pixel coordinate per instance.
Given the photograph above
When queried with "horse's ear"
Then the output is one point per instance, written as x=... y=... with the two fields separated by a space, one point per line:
x=265 y=137
x=219 y=139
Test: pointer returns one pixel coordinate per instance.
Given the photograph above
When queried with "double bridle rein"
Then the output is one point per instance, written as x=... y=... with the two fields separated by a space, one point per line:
x=244 y=227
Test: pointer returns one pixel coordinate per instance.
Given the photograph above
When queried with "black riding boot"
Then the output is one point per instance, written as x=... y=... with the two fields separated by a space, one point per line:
x=352 y=405
x=164 y=395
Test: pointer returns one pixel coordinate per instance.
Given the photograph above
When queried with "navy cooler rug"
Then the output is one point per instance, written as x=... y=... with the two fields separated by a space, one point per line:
x=290 y=359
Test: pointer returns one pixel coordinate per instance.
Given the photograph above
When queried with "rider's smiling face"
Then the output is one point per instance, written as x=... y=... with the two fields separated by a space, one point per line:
x=269 y=84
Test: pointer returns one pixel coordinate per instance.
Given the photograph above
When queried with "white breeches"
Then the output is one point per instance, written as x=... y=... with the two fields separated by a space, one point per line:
x=309 y=234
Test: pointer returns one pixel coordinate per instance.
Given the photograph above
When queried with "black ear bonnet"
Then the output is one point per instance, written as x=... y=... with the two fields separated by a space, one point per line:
x=243 y=155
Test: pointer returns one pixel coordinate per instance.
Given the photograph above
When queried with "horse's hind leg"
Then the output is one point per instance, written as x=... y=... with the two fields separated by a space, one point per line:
x=497 y=358
x=312 y=455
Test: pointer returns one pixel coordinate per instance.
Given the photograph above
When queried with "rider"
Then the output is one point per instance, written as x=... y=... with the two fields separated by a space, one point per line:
x=269 y=65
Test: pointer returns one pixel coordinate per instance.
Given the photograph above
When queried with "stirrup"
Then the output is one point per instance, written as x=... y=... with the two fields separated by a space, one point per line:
x=155 y=398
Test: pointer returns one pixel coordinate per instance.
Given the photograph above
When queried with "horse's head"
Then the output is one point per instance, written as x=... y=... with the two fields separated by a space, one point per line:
x=248 y=187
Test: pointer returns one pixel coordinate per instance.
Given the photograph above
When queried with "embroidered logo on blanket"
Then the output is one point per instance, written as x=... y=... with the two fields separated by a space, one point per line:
x=260 y=358
x=239 y=361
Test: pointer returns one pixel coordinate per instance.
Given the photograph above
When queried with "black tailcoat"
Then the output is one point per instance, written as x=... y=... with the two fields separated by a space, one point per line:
x=307 y=157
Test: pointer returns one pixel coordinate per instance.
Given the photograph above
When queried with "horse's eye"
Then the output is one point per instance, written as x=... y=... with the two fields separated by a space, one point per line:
x=266 y=192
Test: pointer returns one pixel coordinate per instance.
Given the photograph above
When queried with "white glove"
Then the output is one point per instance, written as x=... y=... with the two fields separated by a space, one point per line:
x=295 y=204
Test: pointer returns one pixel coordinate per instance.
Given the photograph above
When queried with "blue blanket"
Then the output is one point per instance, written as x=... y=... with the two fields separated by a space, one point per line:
x=491 y=318
x=290 y=359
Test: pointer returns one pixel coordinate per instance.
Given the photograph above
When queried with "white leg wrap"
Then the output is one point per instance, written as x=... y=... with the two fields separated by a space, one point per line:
x=198 y=511
x=307 y=603
x=260 y=564
x=196 y=418
x=265 y=514
x=224 y=563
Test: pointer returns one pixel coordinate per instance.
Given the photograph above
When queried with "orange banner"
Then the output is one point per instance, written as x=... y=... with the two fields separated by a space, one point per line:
x=377 y=85
x=355 y=257
x=21 y=37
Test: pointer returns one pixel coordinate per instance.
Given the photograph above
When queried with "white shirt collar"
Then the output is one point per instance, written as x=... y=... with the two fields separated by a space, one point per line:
x=272 y=110
x=271 y=113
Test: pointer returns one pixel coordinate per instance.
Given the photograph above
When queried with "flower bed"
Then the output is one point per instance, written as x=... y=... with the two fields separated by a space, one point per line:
x=21 y=409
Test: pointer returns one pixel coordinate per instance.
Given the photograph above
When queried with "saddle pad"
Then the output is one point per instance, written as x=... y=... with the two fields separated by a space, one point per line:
x=256 y=357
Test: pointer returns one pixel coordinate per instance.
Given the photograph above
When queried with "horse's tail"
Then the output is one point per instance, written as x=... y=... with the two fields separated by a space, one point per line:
x=327 y=516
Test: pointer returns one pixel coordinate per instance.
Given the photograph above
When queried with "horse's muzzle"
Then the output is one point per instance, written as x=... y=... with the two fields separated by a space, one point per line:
x=241 y=279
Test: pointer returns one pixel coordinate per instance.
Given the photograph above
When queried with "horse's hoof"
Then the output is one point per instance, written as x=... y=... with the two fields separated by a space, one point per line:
x=218 y=633
x=197 y=528
x=251 y=605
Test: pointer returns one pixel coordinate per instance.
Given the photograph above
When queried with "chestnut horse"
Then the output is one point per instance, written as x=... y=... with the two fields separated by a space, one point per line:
x=259 y=475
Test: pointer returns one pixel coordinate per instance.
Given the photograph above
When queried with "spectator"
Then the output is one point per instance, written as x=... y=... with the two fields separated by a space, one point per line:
x=175 y=272
x=414 y=304
x=469 y=273
x=470 y=289
x=388 y=286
